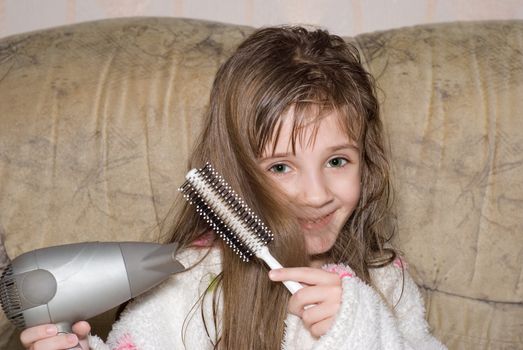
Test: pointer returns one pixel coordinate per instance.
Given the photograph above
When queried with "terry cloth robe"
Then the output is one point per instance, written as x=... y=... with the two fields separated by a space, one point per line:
x=169 y=316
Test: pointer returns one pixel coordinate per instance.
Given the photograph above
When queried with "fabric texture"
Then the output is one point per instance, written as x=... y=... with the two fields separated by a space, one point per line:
x=451 y=98
x=169 y=317
x=4 y=259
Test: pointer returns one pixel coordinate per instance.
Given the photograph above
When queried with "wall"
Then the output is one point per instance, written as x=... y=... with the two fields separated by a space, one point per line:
x=344 y=17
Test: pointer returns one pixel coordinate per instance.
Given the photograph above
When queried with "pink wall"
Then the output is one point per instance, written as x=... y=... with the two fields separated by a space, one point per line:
x=344 y=17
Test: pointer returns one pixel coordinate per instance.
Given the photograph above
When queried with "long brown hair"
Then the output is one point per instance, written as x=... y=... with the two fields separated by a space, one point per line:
x=273 y=70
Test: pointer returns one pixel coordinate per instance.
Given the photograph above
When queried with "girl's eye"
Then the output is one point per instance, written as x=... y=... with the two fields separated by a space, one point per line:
x=337 y=162
x=279 y=168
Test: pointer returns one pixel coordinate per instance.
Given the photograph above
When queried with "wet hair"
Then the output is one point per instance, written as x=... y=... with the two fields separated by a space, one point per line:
x=314 y=73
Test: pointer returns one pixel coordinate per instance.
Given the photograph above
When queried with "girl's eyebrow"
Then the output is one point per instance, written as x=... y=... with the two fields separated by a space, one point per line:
x=275 y=155
x=350 y=146
x=332 y=149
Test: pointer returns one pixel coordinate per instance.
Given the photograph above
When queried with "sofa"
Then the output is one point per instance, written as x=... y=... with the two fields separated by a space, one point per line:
x=97 y=120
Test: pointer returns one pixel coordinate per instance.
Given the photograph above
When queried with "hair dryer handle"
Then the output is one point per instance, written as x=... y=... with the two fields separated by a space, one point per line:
x=65 y=328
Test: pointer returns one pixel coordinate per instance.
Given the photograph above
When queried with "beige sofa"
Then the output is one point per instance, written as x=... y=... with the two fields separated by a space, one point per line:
x=97 y=119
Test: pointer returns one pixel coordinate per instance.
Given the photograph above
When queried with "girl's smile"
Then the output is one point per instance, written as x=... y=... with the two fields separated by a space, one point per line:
x=320 y=175
x=316 y=223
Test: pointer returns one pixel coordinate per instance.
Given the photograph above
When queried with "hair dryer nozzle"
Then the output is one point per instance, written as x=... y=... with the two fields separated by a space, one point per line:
x=69 y=283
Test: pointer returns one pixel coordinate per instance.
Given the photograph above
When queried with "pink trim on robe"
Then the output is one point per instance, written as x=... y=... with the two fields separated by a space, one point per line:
x=342 y=270
x=125 y=343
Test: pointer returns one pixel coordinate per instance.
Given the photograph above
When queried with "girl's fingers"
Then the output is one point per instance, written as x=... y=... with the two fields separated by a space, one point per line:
x=314 y=295
x=318 y=301
x=31 y=335
x=307 y=275
x=47 y=337
x=82 y=329
x=61 y=341
x=318 y=313
x=319 y=329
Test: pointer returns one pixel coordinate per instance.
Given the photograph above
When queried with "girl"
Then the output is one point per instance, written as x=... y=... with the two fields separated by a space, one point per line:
x=293 y=125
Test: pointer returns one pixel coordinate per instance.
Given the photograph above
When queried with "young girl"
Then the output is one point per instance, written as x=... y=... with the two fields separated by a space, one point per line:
x=293 y=126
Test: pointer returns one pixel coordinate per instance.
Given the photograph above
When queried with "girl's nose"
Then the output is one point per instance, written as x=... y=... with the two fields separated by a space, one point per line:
x=315 y=190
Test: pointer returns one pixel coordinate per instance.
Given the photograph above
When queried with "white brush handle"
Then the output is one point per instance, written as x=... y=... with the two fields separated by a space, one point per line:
x=266 y=256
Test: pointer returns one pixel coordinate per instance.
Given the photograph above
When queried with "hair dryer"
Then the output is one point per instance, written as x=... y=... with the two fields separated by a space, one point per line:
x=68 y=283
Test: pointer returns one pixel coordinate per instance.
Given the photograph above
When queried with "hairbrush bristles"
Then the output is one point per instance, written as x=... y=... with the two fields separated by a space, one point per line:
x=229 y=216
x=226 y=213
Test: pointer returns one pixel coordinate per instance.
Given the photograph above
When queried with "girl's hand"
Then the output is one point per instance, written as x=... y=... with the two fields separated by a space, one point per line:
x=46 y=337
x=321 y=292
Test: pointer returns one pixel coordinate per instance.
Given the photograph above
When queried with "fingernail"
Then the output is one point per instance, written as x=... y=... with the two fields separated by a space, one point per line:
x=51 y=330
x=273 y=274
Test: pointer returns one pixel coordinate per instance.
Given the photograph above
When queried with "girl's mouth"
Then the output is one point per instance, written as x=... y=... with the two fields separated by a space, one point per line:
x=316 y=223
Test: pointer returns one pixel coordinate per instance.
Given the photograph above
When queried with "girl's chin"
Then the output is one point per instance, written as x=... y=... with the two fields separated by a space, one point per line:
x=318 y=246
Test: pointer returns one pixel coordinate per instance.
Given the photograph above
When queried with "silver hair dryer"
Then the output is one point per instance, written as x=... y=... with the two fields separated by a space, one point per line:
x=68 y=283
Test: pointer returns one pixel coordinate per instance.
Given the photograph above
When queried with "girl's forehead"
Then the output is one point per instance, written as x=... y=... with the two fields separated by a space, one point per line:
x=302 y=128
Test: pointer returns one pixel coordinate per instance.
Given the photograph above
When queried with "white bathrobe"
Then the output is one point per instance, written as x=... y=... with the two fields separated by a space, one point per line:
x=169 y=316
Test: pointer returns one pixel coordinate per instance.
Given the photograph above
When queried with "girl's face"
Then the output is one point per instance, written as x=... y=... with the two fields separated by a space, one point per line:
x=322 y=177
